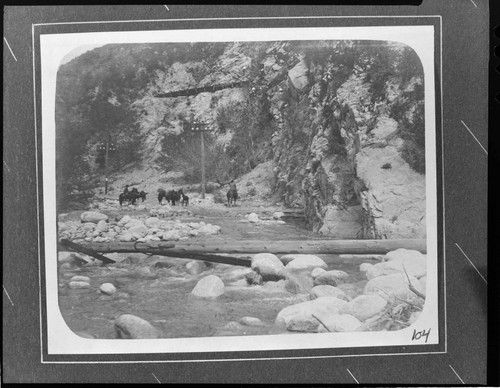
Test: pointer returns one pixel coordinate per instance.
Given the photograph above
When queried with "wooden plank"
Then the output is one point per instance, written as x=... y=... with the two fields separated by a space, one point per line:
x=258 y=246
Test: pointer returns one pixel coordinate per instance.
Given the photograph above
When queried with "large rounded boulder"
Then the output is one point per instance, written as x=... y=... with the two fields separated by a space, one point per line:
x=93 y=217
x=301 y=261
x=268 y=266
x=129 y=326
x=209 y=287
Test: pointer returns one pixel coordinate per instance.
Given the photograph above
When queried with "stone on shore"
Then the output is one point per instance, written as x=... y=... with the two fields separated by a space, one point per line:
x=129 y=326
x=152 y=222
x=102 y=226
x=94 y=217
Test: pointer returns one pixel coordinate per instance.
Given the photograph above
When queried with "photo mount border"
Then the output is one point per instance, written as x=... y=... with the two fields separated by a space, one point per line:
x=345 y=21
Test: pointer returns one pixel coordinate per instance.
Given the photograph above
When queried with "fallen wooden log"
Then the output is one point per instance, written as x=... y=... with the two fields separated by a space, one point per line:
x=297 y=246
x=211 y=258
x=259 y=246
x=87 y=250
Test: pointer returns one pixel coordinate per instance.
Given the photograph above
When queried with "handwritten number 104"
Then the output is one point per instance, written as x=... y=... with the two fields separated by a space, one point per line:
x=419 y=334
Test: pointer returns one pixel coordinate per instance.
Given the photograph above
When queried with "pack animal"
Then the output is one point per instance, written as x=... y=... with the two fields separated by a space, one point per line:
x=131 y=196
x=171 y=196
x=184 y=198
x=232 y=195
x=142 y=195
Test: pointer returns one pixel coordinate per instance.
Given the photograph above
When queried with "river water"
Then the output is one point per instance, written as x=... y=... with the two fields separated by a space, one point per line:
x=161 y=294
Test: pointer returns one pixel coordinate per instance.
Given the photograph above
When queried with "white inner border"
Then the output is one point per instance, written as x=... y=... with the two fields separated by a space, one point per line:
x=61 y=340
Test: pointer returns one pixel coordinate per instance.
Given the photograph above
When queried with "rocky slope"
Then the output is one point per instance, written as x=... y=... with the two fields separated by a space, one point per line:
x=330 y=118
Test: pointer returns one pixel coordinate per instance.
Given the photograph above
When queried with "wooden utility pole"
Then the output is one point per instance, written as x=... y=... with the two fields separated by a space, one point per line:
x=107 y=147
x=203 y=182
x=106 y=163
x=202 y=127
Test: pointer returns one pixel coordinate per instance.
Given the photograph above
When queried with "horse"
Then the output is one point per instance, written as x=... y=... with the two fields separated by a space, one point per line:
x=130 y=196
x=171 y=196
x=185 y=198
x=142 y=195
x=232 y=196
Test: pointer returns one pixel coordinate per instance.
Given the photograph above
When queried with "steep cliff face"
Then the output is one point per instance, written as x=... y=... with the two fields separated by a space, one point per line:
x=338 y=152
x=340 y=122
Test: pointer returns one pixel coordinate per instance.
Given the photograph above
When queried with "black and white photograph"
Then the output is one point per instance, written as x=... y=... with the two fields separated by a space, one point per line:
x=240 y=194
x=204 y=188
x=204 y=192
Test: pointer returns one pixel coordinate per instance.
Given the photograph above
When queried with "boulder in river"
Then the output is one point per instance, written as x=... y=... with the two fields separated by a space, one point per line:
x=339 y=323
x=210 y=286
x=129 y=326
x=253 y=278
x=326 y=290
x=298 y=282
x=365 y=267
x=107 y=288
x=79 y=278
x=251 y=321
x=332 y=278
x=84 y=334
x=389 y=286
x=253 y=217
x=278 y=215
x=77 y=284
x=365 y=306
x=316 y=272
x=302 y=261
x=94 y=217
x=195 y=267
x=414 y=262
x=326 y=305
x=268 y=266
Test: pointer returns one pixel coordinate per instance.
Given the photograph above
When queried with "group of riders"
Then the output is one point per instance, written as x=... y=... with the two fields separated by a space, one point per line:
x=174 y=196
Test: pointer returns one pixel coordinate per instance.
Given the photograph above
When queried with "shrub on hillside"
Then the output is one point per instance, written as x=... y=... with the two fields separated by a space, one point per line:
x=414 y=155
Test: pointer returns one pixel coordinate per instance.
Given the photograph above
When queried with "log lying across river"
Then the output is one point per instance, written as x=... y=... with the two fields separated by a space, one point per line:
x=260 y=246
